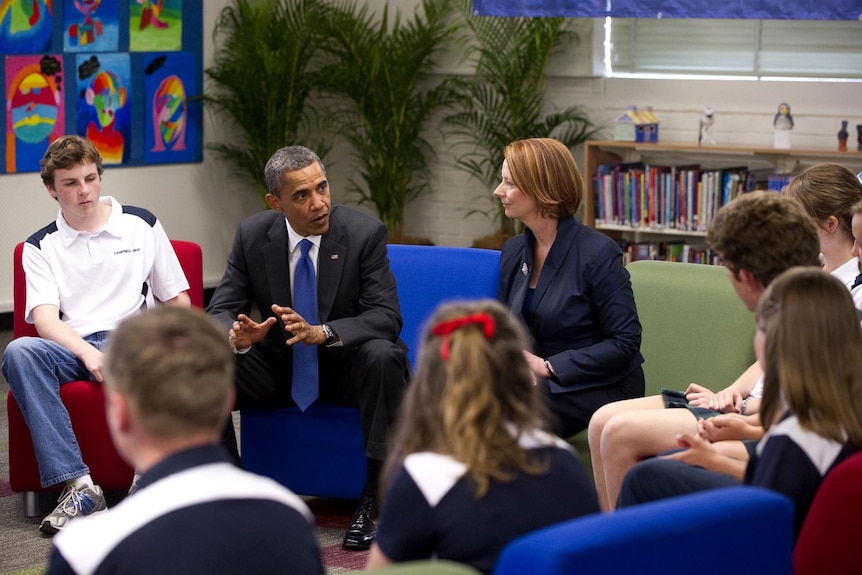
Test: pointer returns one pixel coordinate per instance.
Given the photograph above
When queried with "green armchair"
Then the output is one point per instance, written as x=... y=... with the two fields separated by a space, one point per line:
x=695 y=328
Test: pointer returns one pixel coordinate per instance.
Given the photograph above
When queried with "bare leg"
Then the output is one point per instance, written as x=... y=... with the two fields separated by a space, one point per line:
x=597 y=426
x=635 y=435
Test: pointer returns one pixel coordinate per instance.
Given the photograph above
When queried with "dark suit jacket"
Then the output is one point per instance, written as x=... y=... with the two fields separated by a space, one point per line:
x=583 y=316
x=356 y=289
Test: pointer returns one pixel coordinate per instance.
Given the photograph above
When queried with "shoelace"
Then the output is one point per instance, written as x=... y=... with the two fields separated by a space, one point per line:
x=75 y=501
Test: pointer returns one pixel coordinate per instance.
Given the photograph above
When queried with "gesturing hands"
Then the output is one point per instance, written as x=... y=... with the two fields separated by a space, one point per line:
x=299 y=327
x=246 y=331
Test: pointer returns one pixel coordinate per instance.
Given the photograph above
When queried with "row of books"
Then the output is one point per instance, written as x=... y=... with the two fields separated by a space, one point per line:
x=676 y=251
x=683 y=198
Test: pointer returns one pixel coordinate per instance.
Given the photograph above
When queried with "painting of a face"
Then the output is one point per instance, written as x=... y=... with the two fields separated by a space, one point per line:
x=106 y=98
x=34 y=109
x=169 y=112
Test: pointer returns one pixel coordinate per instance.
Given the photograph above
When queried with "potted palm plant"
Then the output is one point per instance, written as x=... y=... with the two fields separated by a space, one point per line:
x=505 y=100
x=378 y=71
x=261 y=79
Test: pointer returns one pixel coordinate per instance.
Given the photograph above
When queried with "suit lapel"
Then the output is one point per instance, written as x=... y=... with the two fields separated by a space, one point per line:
x=556 y=256
x=522 y=276
x=330 y=264
x=277 y=258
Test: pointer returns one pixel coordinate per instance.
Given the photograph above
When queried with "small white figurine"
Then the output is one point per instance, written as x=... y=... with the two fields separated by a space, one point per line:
x=783 y=123
x=707 y=119
x=783 y=120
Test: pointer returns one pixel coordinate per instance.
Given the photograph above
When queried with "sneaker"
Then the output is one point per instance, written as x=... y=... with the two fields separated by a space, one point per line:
x=73 y=502
x=134 y=486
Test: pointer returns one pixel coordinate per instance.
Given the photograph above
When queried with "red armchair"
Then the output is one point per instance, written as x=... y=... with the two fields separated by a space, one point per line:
x=83 y=399
x=828 y=540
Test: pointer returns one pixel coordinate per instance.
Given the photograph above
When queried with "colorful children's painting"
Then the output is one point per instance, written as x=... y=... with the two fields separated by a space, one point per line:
x=169 y=80
x=91 y=26
x=25 y=26
x=155 y=25
x=103 y=105
x=34 y=109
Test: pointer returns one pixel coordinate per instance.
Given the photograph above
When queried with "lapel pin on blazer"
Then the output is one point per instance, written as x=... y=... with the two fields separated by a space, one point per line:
x=525 y=269
x=333 y=257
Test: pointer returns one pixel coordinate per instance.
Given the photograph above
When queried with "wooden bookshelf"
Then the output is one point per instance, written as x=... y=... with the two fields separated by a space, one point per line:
x=598 y=152
x=709 y=158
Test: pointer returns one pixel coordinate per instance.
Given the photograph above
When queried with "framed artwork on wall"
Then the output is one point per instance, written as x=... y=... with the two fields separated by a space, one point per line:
x=170 y=134
x=25 y=26
x=123 y=73
x=35 y=114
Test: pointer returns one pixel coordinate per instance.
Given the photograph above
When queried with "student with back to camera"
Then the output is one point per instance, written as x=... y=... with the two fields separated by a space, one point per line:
x=470 y=467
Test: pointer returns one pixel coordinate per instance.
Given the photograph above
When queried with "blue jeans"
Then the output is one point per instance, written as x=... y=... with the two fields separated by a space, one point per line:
x=35 y=369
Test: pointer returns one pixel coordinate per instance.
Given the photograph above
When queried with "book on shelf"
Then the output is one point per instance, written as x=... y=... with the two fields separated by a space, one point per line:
x=659 y=197
x=776 y=182
x=672 y=251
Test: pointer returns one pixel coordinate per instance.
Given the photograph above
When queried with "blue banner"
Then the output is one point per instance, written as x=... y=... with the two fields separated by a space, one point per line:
x=739 y=9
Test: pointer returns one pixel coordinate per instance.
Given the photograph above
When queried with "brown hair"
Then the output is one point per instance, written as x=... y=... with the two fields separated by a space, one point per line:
x=826 y=190
x=813 y=365
x=764 y=233
x=175 y=367
x=65 y=152
x=544 y=170
x=466 y=405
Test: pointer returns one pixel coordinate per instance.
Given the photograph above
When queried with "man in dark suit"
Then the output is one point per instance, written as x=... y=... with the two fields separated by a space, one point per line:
x=354 y=331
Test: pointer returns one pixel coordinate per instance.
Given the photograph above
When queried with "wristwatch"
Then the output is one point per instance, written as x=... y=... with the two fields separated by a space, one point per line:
x=330 y=335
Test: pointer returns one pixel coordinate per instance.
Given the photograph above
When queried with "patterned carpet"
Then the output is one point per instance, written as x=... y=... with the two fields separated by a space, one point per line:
x=24 y=551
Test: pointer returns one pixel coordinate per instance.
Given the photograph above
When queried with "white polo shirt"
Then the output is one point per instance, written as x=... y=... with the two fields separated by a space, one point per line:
x=99 y=279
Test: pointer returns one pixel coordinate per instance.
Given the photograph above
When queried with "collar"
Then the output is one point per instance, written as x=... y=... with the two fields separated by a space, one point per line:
x=181 y=460
x=112 y=224
x=294 y=238
x=847 y=272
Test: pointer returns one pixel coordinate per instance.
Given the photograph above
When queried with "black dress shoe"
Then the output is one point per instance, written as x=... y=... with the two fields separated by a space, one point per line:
x=360 y=534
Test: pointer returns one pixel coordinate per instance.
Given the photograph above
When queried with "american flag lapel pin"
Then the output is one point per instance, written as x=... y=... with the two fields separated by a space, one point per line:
x=333 y=257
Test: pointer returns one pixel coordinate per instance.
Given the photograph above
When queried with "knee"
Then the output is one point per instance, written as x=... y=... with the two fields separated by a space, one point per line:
x=21 y=345
x=20 y=348
x=599 y=420
x=383 y=354
x=615 y=433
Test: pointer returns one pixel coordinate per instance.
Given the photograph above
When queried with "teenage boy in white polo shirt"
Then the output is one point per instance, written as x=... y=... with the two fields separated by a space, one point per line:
x=98 y=263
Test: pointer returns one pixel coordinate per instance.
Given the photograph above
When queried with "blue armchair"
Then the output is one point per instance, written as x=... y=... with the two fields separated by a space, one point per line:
x=320 y=452
x=742 y=530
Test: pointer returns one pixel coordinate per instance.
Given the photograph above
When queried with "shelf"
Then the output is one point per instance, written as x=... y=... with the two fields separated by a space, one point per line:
x=652 y=231
x=598 y=152
x=833 y=154
x=711 y=158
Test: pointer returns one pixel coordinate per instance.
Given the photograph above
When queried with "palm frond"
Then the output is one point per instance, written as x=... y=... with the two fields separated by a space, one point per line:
x=262 y=77
x=380 y=71
x=505 y=101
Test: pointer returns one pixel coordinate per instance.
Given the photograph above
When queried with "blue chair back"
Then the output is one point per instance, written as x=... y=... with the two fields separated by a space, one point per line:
x=675 y=536
x=427 y=276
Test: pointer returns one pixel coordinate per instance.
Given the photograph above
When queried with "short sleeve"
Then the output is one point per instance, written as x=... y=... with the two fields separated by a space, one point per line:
x=168 y=279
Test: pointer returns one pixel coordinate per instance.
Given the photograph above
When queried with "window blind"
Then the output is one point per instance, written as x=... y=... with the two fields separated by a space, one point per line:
x=758 y=48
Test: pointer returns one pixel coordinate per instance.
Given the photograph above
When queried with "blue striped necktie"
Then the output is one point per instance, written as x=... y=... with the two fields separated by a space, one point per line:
x=304 y=388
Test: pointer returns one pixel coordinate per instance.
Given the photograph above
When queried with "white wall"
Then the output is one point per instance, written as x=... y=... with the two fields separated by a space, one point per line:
x=203 y=203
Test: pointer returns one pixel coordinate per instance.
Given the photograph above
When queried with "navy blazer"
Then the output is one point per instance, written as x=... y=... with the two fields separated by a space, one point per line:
x=356 y=292
x=583 y=316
